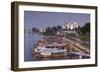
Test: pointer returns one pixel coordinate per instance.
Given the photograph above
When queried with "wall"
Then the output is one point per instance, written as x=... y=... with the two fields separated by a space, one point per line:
x=5 y=40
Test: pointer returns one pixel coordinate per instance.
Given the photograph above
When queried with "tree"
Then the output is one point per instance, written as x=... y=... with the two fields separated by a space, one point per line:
x=86 y=28
x=47 y=31
x=54 y=30
x=35 y=30
x=59 y=27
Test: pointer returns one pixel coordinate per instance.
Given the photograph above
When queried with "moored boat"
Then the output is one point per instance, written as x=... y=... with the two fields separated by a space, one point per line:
x=50 y=52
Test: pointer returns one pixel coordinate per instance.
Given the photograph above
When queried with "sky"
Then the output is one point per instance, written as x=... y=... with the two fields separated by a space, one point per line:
x=42 y=20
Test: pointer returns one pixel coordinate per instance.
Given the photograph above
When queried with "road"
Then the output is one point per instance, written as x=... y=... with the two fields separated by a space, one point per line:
x=79 y=46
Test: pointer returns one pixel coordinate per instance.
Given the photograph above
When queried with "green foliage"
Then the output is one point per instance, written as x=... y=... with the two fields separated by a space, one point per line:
x=52 y=30
x=84 y=37
x=86 y=28
x=35 y=30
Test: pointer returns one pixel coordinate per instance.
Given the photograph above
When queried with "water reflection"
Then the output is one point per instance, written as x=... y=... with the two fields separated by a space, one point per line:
x=29 y=40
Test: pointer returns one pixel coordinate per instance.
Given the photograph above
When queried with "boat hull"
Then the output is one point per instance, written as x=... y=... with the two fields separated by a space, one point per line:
x=50 y=56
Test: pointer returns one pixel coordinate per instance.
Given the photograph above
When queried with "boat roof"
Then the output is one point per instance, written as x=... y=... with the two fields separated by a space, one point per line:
x=56 y=44
x=53 y=50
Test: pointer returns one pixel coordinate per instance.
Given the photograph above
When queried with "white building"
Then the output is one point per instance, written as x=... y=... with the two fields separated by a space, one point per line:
x=71 y=25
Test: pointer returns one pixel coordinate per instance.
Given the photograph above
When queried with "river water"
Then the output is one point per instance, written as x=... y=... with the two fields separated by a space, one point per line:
x=29 y=40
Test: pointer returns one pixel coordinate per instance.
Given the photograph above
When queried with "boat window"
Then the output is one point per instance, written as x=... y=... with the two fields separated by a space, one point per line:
x=47 y=47
x=61 y=52
x=57 y=53
x=52 y=53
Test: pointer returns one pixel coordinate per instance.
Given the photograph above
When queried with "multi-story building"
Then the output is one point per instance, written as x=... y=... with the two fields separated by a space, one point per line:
x=71 y=25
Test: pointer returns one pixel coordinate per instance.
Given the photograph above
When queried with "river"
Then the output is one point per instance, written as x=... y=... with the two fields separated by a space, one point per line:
x=29 y=40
